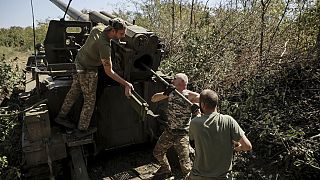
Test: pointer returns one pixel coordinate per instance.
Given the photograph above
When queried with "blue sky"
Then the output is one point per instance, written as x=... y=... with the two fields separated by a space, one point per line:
x=18 y=12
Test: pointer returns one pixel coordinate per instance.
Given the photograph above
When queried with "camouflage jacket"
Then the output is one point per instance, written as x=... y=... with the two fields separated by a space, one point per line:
x=179 y=113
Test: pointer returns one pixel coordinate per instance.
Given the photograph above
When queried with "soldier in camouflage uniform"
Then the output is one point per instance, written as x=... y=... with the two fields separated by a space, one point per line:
x=176 y=133
x=95 y=52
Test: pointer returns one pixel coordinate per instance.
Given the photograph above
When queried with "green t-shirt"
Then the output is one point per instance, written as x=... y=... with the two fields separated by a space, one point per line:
x=213 y=135
x=96 y=47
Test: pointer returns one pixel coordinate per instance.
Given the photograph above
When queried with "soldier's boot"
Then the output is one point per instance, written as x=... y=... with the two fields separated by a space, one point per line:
x=64 y=122
x=83 y=133
x=162 y=173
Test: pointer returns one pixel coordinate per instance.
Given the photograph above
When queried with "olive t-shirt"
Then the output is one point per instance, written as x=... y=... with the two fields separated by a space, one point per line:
x=213 y=135
x=96 y=47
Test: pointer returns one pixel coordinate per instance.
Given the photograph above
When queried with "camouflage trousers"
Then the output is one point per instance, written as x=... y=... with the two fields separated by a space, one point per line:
x=85 y=82
x=180 y=142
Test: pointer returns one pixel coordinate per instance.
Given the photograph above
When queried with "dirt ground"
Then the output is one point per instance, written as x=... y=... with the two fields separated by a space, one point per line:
x=134 y=162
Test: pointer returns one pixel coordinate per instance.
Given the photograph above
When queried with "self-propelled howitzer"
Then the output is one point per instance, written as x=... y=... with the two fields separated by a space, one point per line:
x=120 y=121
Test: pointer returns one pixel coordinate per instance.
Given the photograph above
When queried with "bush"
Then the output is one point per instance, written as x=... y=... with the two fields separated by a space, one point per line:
x=10 y=128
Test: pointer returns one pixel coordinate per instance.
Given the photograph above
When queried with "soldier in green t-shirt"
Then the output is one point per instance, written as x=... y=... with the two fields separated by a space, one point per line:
x=95 y=52
x=215 y=136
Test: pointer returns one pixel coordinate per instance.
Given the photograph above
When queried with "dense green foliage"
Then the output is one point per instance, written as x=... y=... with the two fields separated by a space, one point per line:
x=22 y=38
x=10 y=129
x=262 y=57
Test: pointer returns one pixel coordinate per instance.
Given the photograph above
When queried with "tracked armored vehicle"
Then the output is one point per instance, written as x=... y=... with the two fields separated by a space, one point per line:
x=49 y=150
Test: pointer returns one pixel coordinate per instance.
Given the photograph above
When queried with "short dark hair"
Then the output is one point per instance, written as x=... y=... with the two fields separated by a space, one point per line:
x=209 y=98
x=117 y=24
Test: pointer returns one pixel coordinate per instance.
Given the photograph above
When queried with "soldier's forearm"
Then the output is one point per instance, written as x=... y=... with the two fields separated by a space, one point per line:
x=158 y=97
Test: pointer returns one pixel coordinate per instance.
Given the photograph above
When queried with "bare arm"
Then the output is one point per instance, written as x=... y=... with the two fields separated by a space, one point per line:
x=158 y=97
x=243 y=145
x=194 y=97
x=107 y=66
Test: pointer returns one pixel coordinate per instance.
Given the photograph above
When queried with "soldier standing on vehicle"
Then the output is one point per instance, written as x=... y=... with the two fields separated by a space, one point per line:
x=176 y=133
x=95 y=52
x=216 y=136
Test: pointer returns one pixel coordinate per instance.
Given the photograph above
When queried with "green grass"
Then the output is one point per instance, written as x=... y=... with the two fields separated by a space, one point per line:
x=14 y=56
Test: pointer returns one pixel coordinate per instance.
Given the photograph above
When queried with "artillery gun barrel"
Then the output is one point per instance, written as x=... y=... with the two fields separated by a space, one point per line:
x=99 y=18
x=166 y=83
x=108 y=14
x=112 y=17
x=79 y=16
x=75 y=14
x=103 y=17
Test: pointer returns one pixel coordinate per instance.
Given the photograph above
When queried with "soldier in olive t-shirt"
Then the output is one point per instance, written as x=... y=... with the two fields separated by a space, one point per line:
x=95 y=52
x=215 y=136
x=97 y=47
